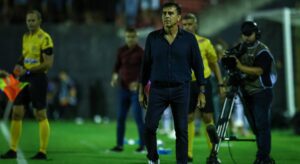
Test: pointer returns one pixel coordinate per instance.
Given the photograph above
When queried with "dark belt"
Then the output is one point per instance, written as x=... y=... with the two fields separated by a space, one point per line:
x=164 y=84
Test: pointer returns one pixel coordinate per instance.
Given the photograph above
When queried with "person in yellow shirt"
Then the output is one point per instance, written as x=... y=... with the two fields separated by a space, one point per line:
x=210 y=63
x=36 y=60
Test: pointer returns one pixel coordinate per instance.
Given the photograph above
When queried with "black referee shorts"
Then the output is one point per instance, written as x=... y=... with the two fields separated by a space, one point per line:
x=194 y=92
x=35 y=92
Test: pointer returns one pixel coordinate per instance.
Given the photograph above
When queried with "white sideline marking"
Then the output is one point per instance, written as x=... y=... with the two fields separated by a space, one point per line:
x=21 y=158
x=90 y=145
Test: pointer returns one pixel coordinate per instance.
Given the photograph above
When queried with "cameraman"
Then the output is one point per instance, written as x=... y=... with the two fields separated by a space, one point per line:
x=256 y=63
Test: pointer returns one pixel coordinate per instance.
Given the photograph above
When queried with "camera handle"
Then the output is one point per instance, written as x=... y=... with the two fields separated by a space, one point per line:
x=222 y=125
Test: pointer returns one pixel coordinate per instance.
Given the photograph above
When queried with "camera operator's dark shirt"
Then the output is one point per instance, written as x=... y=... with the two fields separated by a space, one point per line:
x=264 y=61
x=171 y=63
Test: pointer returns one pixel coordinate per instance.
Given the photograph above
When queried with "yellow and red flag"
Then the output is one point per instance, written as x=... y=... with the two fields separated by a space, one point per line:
x=11 y=86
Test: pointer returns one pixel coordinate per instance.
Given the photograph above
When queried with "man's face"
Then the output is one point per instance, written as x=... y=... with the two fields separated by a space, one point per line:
x=63 y=76
x=130 y=38
x=170 y=17
x=32 y=21
x=249 y=39
x=189 y=25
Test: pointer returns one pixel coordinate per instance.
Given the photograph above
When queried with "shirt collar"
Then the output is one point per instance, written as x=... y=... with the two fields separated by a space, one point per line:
x=162 y=31
x=36 y=32
x=134 y=47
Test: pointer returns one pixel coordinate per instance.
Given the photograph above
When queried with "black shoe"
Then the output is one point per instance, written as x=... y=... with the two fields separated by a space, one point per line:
x=213 y=160
x=258 y=161
x=116 y=149
x=39 y=156
x=190 y=159
x=212 y=134
x=140 y=149
x=270 y=161
x=10 y=154
x=264 y=161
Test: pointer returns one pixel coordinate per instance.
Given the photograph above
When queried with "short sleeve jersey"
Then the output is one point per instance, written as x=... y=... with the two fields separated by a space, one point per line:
x=208 y=55
x=33 y=47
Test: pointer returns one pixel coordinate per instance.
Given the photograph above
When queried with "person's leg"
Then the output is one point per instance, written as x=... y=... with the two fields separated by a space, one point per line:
x=124 y=102
x=179 y=105
x=207 y=112
x=167 y=121
x=156 y=106
x=198 y=122
x=44 y=129
x=238 y=127
x=16 y=126
x=38 y=93
x=139 y=118
x=194 y=92
x=191 y=135
x=261 y=109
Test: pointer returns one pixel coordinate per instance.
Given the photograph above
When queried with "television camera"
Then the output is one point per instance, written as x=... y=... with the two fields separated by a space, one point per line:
x=234 y=80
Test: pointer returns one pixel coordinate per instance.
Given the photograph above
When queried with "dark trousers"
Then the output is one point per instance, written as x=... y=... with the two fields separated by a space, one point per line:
x=129 y=99
x=259 y=105
x=159 y=99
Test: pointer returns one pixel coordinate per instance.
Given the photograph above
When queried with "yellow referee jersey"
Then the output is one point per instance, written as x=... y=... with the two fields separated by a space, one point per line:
x=208 y=55
x=33 y=45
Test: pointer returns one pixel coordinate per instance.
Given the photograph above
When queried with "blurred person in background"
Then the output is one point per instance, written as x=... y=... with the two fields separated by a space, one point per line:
x=238 y=120
x=126 y=71
x=210 y=62
x=256 y=63
x=127 y=11
x=220 y=47
x=67 y=96
x=149 y=14
x=53 y=114
x=98 y=105
x=170 y=54
x=167 y=124
x=55 y=10
x=32 y=67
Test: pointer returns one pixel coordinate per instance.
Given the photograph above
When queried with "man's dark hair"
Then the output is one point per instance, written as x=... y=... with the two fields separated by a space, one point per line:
x=130 y=30
x=37 y=13
x=173 y=4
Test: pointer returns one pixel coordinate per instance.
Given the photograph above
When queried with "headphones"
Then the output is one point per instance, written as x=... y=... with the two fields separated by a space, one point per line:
x=248 y=27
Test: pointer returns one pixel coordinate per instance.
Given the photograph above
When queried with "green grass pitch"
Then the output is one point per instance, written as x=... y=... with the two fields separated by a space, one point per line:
x=89 y=144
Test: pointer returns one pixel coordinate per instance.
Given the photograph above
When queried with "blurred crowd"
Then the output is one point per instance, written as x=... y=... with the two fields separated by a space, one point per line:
x=137 y=13
x=58 y=11
x=121 y=12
